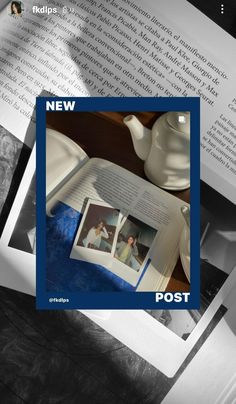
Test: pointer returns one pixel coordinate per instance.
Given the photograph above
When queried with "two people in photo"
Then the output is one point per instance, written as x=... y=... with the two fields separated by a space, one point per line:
x=125 y=239
x=125 y=250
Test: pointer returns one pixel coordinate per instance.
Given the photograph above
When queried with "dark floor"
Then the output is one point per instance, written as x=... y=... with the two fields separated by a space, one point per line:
x=63 y=357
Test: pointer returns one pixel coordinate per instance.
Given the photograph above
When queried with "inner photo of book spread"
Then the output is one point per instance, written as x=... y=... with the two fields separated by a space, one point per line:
x=108 y=229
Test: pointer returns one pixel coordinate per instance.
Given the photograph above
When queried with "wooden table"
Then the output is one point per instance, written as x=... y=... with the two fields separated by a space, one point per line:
x=103 y=135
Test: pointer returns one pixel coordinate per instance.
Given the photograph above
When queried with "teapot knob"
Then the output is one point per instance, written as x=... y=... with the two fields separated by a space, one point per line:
x=180 y=121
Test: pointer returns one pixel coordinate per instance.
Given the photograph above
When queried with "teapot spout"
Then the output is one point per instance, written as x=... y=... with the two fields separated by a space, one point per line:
x=141 y=136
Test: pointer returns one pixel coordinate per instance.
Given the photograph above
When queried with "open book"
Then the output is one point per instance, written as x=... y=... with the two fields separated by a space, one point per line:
x=139 y=234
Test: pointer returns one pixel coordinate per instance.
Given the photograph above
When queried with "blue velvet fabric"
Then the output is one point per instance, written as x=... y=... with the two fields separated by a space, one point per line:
x=66 y=274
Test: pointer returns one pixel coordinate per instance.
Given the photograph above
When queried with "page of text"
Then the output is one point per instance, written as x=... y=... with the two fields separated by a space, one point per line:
x=116 y=48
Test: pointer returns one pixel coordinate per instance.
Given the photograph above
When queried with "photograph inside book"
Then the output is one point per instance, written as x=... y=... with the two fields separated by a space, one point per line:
x=98 y=227
x=134 y=241
x=108 y=229
x=103 y=229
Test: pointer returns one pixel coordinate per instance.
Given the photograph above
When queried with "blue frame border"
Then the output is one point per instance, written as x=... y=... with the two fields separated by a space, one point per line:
x=117 y=300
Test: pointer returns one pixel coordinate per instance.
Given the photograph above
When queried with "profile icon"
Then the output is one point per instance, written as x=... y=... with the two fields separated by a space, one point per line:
x=16 y=8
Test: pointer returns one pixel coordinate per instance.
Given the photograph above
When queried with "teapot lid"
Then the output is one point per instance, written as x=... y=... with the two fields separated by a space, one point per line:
x=180 y=121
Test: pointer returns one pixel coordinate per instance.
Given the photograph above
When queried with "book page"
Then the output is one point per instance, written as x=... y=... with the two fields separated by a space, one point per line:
x=135 y=198
x=122 y=49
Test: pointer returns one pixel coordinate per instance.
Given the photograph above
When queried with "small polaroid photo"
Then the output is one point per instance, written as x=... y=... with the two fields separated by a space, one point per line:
x=132 y=250
x=97 y=233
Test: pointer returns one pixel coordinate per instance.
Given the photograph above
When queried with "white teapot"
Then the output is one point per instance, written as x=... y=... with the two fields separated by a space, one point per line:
x=165 y=149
